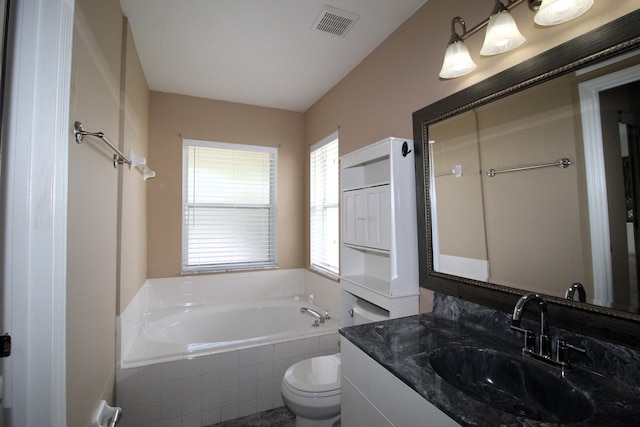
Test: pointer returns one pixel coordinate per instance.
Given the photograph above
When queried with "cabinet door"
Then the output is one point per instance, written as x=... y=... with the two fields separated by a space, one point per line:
x=379 y=398
x=353 y=217
x=378 y=217
x=366 y=217
x=356 y=410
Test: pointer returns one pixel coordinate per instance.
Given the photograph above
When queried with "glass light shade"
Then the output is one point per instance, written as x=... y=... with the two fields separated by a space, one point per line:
x=457 y=61
x=502 y=34
x=553 y=12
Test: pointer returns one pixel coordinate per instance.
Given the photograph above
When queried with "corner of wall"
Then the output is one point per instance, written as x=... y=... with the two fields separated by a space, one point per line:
x=326 y=292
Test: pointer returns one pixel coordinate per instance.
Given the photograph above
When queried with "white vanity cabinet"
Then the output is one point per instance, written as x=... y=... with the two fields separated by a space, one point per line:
x=379 y=248
x=374 y=397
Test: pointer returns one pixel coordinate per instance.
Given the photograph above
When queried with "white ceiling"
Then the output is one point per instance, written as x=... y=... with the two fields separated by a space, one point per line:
x=258 y=52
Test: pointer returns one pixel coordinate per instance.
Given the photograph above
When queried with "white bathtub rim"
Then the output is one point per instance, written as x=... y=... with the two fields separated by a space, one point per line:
x=174 y=352
x=187 y=322
x=134 y=363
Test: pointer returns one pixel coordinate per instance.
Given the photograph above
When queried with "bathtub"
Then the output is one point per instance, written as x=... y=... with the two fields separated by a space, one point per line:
x=201 y=350
x=177 y=333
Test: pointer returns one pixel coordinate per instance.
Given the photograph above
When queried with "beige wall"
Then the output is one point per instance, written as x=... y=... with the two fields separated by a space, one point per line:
x=173 y=117
x=378 y=97
x=102 y=102
x=539 y=211
x=134 y=120
x=460 y=207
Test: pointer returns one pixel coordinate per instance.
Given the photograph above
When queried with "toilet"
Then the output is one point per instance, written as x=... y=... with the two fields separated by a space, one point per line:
x=311 y=387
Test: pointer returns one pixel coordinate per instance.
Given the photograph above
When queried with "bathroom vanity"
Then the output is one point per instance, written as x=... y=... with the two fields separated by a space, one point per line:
x=420 y=370
x=373 y=396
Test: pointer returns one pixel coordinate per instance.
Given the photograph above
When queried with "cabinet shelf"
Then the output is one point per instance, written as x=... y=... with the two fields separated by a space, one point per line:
x=367 y=249
x=360 y=187
x=378 y=292
x=374 y=284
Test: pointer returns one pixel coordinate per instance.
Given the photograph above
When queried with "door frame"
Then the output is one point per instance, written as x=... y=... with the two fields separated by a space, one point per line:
x=596 y=180
x=37 y=133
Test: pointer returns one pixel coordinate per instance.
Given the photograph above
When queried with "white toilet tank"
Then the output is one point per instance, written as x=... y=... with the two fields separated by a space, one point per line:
x=365 y=312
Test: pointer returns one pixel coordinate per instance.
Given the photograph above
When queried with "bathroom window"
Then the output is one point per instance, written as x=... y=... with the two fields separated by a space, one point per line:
x=228 y=206
x=325 y=194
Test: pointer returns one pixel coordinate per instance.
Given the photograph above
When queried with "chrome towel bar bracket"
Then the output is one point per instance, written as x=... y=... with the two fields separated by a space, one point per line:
x=118 y=158
x=80 y=133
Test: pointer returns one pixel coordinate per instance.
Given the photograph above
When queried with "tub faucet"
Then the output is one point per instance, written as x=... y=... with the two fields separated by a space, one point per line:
x=319 y=318
x=582 y=295
x=544 y=345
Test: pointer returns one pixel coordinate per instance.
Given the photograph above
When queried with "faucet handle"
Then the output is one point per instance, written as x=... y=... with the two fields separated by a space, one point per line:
x=562 y=351
x=529 y=338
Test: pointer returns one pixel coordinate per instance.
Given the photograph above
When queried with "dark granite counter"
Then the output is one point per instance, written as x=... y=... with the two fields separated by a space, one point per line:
x=609 y=375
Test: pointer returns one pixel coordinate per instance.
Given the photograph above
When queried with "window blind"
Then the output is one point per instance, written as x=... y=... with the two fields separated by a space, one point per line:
x=325 y=196
x=229 y=206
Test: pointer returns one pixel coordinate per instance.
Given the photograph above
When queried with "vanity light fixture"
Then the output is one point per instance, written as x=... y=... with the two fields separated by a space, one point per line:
x=457 y=60
x=502 y=34
x=553 y=12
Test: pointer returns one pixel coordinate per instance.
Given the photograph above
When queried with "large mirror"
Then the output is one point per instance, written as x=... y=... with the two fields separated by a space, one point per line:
x=529 y=181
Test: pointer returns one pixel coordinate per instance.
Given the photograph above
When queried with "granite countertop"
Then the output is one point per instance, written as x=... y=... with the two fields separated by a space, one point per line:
x=607 y=375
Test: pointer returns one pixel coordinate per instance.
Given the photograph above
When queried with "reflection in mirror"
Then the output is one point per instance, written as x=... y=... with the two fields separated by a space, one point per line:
x=618 y=107
x=595 y=62
x=538 y=226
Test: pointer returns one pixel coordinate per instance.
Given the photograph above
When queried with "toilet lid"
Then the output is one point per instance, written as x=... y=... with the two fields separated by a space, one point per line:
x=316 y=375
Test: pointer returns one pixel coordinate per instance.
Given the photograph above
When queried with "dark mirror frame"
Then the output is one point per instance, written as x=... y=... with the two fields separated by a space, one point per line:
x=617 y=37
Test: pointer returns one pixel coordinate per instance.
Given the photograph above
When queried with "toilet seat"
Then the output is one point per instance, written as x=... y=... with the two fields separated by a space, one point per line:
x=315 y=377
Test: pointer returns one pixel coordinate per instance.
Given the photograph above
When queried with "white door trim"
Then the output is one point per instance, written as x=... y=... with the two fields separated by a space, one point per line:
x=596 y=180
x=35 y=249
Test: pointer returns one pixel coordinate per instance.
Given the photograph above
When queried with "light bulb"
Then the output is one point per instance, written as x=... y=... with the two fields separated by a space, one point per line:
x=553 y=12
x=457 y=61
x=502 y=34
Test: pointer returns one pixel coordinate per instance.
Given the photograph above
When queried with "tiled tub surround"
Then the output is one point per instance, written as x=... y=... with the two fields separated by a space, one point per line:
x=204 y=389
x=609 y=374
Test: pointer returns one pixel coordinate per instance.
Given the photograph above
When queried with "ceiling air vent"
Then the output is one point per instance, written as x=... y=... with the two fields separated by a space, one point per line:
x=334 y=22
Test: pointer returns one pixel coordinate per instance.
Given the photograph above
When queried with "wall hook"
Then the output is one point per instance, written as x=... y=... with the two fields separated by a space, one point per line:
x=405 y=149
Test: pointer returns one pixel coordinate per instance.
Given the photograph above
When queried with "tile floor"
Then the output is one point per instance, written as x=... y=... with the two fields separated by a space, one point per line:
x=278 y=417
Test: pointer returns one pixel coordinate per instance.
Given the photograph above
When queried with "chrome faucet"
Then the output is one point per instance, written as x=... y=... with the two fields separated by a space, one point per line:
x=544 y=345
x=544 y=342
x=319 y=318
x=577 y=286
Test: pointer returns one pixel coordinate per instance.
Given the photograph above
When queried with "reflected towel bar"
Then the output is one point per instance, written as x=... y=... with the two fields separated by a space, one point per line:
x=562 y=163
x=457 y=171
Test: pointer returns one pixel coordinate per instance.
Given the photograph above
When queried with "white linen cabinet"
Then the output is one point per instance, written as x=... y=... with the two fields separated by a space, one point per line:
x=379 y=248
